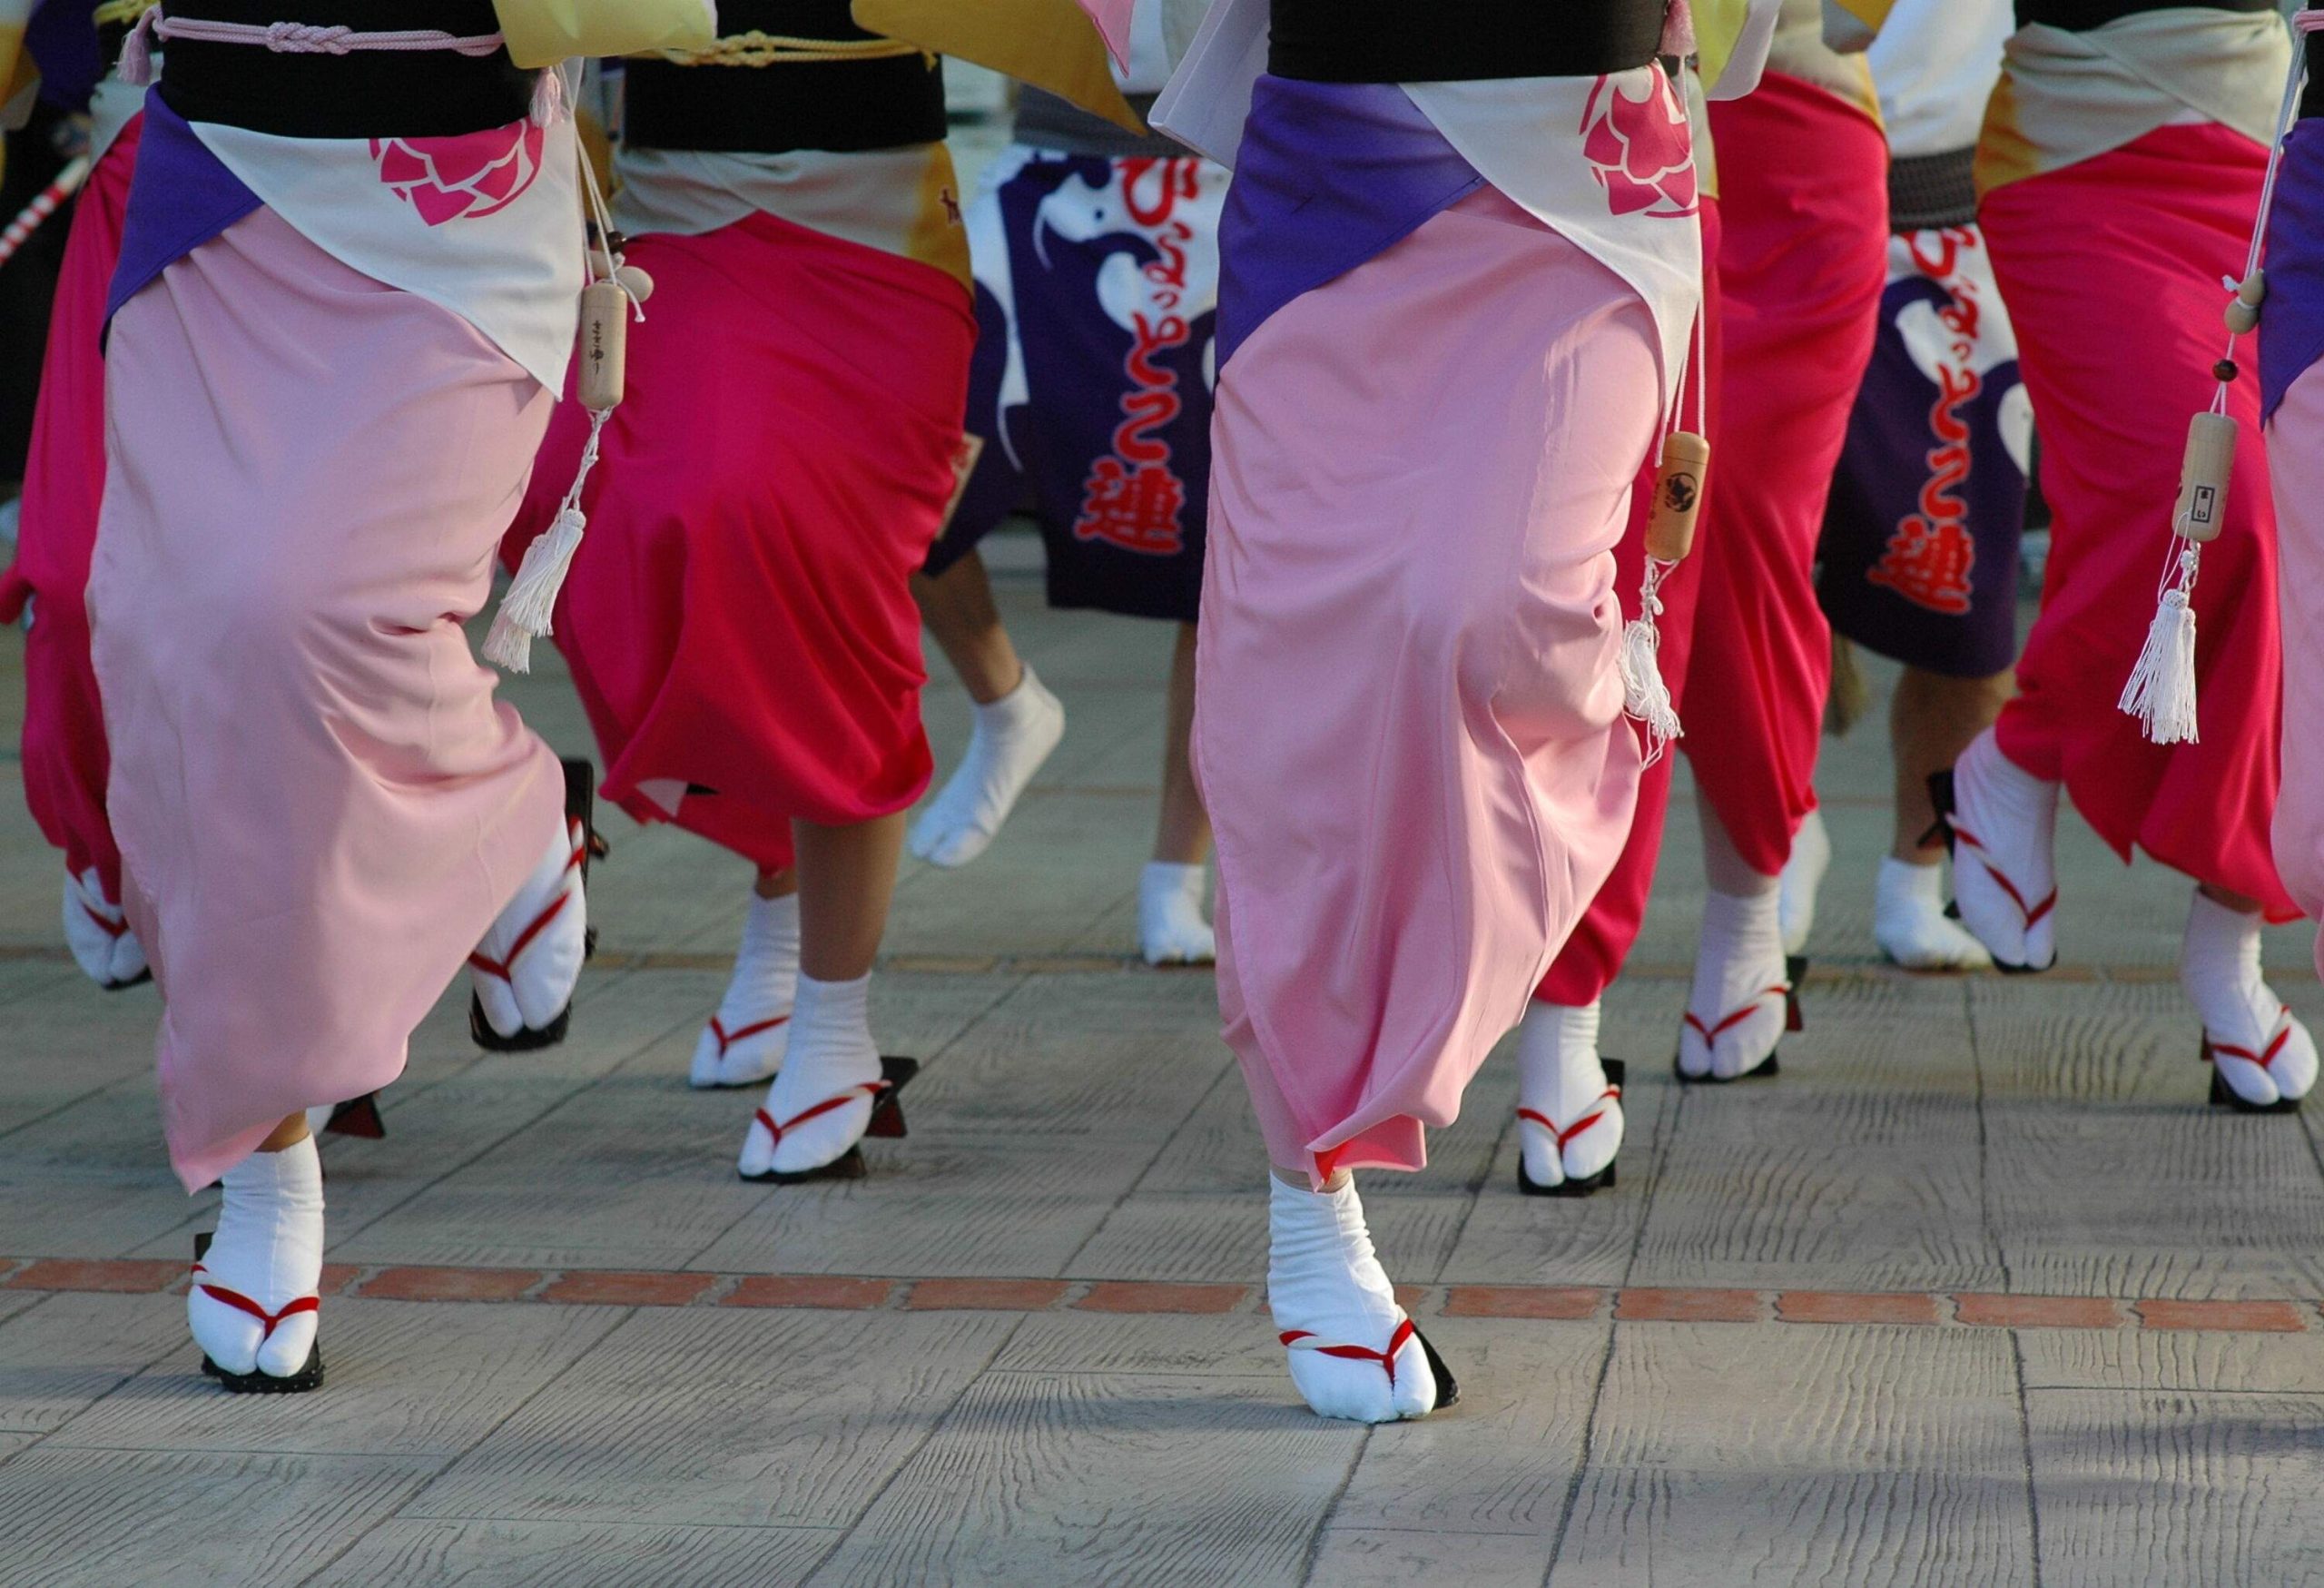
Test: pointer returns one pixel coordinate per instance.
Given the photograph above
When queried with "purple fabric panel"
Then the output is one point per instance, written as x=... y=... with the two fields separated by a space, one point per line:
x=180 y=197
x=2291 y=322
x=1330 y=174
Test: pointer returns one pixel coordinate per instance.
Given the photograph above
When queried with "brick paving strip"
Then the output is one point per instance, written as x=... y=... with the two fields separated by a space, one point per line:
x=855 y=1293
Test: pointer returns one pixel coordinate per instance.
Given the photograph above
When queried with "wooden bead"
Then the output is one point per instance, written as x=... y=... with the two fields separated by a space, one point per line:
x=601 y=264
x=1677 y=495
x=2254 y=289
x=2201 y=511
x=2242 y=319
x=635 y=281
x=2226 y=370
x=605 y=346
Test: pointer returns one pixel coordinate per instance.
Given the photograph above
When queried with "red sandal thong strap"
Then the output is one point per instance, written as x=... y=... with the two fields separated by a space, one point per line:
x=727 y=1039
x=115 y=930
x=2263 y=1059
x=1738 y=1016
x=870 y=1089
x=505 y=969
x=1299 y=1340
x=1611 y=1095
x=2031 y=913
x=242 y=1303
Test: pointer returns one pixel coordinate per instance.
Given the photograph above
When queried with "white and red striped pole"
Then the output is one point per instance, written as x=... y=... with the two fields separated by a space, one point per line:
x=68 y=182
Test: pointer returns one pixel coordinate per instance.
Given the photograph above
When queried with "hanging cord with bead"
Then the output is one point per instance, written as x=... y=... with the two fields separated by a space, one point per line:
x=2160 y=691
x=1682 y=459
x=616 y=292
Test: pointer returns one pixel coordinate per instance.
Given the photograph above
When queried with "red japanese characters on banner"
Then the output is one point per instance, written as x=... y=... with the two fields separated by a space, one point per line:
x=1931 y=554
x=1135 y=499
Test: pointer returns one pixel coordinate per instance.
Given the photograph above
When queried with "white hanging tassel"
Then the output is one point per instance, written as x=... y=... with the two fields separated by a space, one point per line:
x=1646 y=694
x=614 y=292
x=2161 y=689
x=1670 y=536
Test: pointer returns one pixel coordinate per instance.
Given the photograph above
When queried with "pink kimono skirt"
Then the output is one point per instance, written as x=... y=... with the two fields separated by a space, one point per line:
x=320 y=807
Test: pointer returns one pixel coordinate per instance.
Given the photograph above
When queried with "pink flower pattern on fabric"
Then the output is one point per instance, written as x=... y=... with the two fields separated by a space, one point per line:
x=1640 y=149
x=469 y=177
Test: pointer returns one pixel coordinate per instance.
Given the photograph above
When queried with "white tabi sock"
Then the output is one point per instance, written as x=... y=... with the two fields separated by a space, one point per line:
x=1803 y=878
x=1325 y=1287
x=1736 y=1010
x=1909 y=922
x=832 y=1055
x=1561 y=1077
x=1171 y=930
x=2243 y=1019
x=97 y=931
x=1012 y=736
x=540 y=980
x=745 y=1041
x=2005 y=824
x=269 y=1251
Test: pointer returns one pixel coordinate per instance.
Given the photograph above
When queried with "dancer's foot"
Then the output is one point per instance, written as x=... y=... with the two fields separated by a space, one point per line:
x=1012 y=736
x=1909 y=921
x=1741 y=1002
x=526 y=969
x=254 y=1300
x=1568 y=1106
x=822 y=1102
x=98 y=933
x=1802 y=879
x=2265 y=1057
x=1171 y=930
x=1354 y=1353
x=2003 y=821
x=745 y=1041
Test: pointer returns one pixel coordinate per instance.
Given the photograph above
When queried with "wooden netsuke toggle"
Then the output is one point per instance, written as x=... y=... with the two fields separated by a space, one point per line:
x=1677 y=495
x=2201 y=511
x=605 y=346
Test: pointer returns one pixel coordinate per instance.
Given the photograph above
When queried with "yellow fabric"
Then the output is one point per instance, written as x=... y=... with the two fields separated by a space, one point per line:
x=938 y=237
x=541 y=33
x=1050 y=44
x=1717 y=24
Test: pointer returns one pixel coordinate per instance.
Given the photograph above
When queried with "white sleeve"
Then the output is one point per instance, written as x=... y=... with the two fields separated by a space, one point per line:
x=1741 y=73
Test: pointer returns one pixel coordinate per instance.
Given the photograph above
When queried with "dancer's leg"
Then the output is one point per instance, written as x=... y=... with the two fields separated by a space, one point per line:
x=1740 y=1001
x=1174 y=889
x=1018 y=721
x=1931 y=718
x=847 y=877
x=745 y=1041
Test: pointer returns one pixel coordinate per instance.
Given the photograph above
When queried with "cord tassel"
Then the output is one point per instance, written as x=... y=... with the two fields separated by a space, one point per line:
x=1670 y=536
x=2160 y=692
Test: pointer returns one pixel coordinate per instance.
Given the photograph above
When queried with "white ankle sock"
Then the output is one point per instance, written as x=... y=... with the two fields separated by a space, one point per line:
x=268 y=1249
x=97 y=931
x=1012 y=736
x=540 y=982
x=1909 y=922
x=2219 y=967
x=739 y=1046
x=832 y=1051
x=1561 y=1077
x=2012 y=816
x=1324 y=1281
x=1171 y=928
x=1735 y=1011
x=1803 y=877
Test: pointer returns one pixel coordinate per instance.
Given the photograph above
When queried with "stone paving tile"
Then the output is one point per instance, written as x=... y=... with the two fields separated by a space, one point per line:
x=400 y=1380
x=1118 y=1477
x=67 y=1352
x=2176 y=1488
x=2147 y=1360
x=190 y=1518
x=399 y=1553
x=691 y=1416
